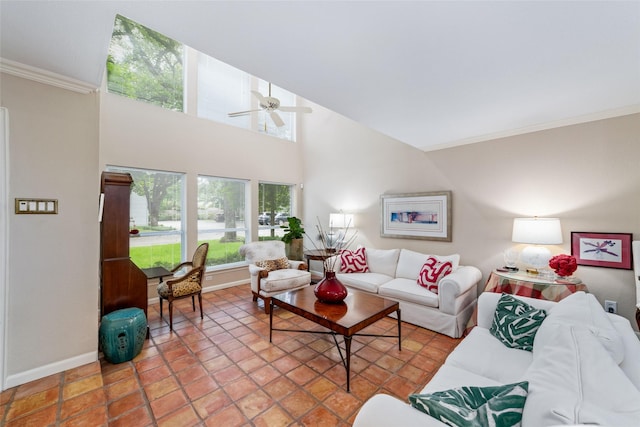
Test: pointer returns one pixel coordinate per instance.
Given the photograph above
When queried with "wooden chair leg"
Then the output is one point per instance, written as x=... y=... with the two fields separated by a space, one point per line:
x=160 y=307
x=170 y=315
x=255 y=297
x=193 y=302
x=200 y=304
x=267 y=305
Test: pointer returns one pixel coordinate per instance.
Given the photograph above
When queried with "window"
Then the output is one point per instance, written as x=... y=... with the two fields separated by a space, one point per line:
x=274 y=209
x=157 y=200
x=145 y=65
x=223 y=89
x=221 y=218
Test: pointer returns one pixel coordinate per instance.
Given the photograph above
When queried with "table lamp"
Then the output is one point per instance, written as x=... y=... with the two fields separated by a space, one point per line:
x=337 y=222
x=536 y=232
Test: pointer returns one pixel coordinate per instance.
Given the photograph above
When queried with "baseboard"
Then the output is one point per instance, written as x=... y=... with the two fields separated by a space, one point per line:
x=50 y=369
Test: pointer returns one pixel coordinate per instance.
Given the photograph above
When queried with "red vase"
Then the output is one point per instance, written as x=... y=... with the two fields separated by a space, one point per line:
x=329 y=289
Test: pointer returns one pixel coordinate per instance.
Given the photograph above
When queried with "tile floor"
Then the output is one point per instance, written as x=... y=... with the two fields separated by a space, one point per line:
x=222 y=371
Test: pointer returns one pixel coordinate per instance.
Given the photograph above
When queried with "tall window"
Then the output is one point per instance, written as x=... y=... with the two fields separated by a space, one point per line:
x=145 y=65
x=221 y=218
x=274 y=209
x=157 y=206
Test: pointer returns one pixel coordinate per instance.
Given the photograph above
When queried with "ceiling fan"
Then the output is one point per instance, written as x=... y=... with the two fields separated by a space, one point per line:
x=271 y=105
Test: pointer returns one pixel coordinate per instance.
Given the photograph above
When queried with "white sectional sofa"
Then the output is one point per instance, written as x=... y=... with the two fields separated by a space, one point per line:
x=584 y=369
x=393 y=274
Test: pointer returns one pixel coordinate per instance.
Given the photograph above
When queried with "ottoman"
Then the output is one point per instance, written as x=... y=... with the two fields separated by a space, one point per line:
x=122 y=334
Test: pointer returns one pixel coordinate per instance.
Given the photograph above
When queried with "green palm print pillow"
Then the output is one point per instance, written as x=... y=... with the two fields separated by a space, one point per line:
x=499 y=406
x=515 y=322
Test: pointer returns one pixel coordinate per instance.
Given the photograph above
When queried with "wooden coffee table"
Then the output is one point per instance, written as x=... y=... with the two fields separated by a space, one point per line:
x=358 y=311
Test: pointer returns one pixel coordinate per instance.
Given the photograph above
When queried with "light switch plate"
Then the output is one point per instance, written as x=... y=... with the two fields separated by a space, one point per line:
x=36 y=206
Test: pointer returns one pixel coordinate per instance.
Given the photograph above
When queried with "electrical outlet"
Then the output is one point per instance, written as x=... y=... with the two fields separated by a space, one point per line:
x=611 y=306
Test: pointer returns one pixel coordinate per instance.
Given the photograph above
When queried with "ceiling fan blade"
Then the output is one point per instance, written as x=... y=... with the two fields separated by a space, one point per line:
x=295 y=109
x=276 y=119
x=258 y=95
x=242 y=113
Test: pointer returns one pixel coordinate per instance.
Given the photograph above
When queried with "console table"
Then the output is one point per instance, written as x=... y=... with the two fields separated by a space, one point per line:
x=526 y=285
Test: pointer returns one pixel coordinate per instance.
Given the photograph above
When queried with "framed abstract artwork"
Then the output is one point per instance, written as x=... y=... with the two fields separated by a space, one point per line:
x=417 y=215
x=611 y=250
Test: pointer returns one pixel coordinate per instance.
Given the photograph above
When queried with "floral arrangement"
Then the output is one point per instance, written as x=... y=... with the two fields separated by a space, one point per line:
x=563 y=265
x=332 y=242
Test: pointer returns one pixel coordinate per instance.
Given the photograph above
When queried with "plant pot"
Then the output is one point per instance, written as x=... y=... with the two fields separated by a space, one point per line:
x=295 y=250
x=330 y=290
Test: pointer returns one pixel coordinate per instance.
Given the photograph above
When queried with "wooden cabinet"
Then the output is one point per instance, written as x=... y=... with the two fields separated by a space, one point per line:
x=122 y=283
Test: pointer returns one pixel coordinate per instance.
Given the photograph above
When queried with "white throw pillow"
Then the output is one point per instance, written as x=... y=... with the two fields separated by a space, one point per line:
x=583 y=309
x=574 y=380
x=410 y=263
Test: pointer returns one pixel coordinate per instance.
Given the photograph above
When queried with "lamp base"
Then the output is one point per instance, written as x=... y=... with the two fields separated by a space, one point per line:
x=535 y=256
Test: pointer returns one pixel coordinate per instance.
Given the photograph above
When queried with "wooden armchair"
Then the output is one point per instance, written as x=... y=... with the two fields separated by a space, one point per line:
x=186 y=285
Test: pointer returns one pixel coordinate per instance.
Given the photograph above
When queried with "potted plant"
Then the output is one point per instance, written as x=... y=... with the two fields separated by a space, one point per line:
x=294 y=232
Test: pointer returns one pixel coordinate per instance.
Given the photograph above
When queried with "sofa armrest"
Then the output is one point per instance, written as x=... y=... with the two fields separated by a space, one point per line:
x=298 y=265
x=384 y=411
x=487 y=302
x=463 y=280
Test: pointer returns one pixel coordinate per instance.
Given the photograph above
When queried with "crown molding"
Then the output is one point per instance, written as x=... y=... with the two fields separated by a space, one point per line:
x=46 y=77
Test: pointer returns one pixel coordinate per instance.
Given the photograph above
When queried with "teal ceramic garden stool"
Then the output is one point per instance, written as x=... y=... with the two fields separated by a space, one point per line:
x=122 y=334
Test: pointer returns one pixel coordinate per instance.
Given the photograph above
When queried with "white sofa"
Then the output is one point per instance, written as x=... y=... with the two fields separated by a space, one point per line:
x=393 y=274
x=584 y=369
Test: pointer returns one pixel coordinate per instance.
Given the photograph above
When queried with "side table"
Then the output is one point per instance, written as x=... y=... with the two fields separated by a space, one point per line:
x=317 y=255
x=526 y=285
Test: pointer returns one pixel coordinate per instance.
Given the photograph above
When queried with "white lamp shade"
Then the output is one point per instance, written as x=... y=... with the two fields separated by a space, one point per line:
x=340 y=220
x=537 y=231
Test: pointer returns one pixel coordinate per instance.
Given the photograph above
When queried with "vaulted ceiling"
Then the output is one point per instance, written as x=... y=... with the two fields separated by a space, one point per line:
x=431 y=74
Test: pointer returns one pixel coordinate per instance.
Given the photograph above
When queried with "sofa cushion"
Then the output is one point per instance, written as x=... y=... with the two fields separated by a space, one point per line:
x=575 y=381
x=369 y=282
x=475 y=406
x=410 y=263
x=584 y=309
x=406 y=289
x=515 y=322
x=283 y=280
x=383 y=261
x=353 y=261
x=483 y=354
x=273 y=264
x=431 y=273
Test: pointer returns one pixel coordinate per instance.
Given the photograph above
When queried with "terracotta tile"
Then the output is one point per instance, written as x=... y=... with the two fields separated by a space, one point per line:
x=168 y=403
x=389 y=363
x=82 y=371
x=251 y=364
x=302 y=375
x=114 y=373
x=227 y=374
x=273 y=417
x=7 y=395
x=255 y=403
x=122 y=388
x=43 y=417
x=149 y=363
x=73 y=406
x=264 y=375
x=185 y=362
x=37 y=386
x=137 y=418
x=211 y=403
x=160 y=388
x=184 y=417
x=125 y=404
x=201 y=387
x=154 y=375
x=189 y=375
x=217 y=363
x=298 y=403
x=321 y=388
x=93 y=417
x=240 y=388
x=342 y=403
x=33 y=403
x=286 y=364
x=228 y=417
x=320 y=416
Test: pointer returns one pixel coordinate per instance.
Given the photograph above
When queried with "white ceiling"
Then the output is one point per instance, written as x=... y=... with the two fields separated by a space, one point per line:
x=430 y=74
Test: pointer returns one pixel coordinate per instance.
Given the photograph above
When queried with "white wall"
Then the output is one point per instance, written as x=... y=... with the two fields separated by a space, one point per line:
x=588 y=175
x=52 y=304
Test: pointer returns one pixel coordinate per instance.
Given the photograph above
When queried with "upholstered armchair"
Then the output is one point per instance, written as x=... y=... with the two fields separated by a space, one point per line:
x=185 y=285
x=271 y=272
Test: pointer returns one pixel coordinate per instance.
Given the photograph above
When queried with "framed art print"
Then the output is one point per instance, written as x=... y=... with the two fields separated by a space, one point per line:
x=417 y=216
x=611 y=250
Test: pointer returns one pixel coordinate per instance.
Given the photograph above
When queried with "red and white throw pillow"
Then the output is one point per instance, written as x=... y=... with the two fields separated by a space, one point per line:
x=431 y=273
x=353 y=261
